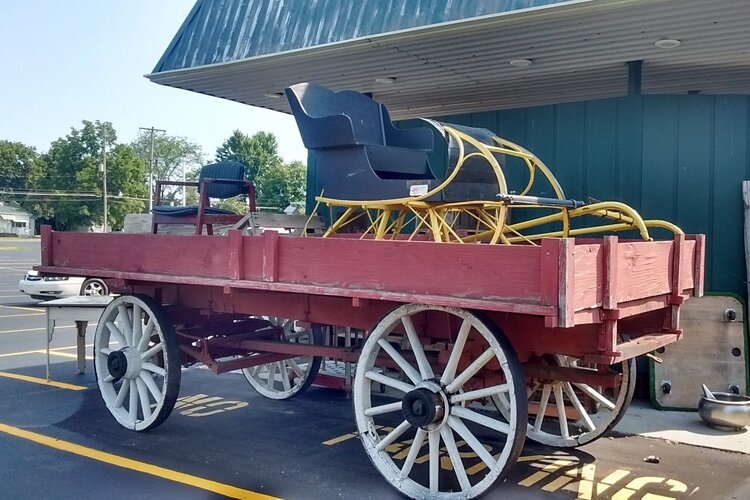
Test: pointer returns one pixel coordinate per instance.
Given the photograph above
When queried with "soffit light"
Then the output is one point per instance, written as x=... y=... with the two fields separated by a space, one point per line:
x=520 y=63
x=385 y=79
x=273 y=95
x=667 y=43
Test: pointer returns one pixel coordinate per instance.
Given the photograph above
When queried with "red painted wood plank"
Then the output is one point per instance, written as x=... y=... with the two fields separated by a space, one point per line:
x=609 y=281
x=550 y=266
x=589 y=270
x=270 y=256
x=236 y=255
x=566 y=276
x=698 y=263
x=472 y=271
x=643 y=269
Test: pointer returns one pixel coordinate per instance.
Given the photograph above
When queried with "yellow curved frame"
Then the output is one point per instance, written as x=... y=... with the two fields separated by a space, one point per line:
x=389 y=218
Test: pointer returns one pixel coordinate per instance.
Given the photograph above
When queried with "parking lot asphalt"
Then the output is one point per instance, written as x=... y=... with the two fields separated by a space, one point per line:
x=57 y=440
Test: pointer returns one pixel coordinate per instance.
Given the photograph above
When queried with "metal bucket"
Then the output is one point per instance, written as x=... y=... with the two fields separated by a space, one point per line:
x=725 y=411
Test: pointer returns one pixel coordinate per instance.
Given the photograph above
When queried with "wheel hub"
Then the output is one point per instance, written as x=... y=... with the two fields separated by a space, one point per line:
x=124 y=363
x=422 y=407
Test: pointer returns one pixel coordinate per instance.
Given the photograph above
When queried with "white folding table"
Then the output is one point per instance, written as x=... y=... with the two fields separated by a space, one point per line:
x=80 y=310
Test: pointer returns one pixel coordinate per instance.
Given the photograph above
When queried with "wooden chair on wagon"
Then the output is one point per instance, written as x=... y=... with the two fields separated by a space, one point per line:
x=221 y=180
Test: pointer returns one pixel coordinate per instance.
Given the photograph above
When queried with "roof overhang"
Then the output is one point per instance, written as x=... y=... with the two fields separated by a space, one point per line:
x=578 y=50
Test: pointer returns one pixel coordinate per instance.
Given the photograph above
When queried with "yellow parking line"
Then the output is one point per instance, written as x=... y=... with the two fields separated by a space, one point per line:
x=59 y=385
x=127 y=463
x=20 y=315
x=40 y=351
x=35 y=309
x=36 y=329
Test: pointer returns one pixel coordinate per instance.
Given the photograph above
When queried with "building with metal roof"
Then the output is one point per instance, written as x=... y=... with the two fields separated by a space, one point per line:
x=643 y=101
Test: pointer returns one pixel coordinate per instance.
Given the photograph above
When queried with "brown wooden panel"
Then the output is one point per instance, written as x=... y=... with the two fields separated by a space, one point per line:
x=687 y=265
x=472 y=271
x=643 y=270
x=142 y=253
x=589 y=272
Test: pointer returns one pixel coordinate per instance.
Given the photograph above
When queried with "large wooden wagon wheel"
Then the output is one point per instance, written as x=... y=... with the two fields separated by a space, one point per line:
x=136 y=361
x=288 y=377
x=570 y=414
x=429 y=434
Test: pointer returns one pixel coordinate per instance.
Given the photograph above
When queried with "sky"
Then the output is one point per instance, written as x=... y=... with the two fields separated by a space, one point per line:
x=62 y=62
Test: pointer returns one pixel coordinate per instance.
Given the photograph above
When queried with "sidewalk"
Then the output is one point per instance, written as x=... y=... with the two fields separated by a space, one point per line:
x=681 y=427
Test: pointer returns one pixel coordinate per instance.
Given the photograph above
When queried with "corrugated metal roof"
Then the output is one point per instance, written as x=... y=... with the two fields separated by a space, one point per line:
x=229 y=30
x=579 y=51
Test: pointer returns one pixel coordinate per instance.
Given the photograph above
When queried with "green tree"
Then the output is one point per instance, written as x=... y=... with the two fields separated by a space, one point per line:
x=75 y=169
x=172 y=154
x=282 y=184
x=258 y=152
x=20 y=167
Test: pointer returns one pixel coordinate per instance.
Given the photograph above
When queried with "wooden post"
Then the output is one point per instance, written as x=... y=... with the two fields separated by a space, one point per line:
x=746 y=198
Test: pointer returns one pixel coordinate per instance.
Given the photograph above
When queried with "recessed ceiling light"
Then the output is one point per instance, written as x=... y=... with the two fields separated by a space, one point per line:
x=520 y=63
x=385 y=79
x=667 y=43
x=273 y=95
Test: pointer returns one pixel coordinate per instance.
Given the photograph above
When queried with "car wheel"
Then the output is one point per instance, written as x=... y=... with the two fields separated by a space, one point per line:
x=94 y=287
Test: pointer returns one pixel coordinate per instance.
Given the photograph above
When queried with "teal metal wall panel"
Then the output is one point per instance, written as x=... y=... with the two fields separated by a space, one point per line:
x=679 y=158
x=218 y=31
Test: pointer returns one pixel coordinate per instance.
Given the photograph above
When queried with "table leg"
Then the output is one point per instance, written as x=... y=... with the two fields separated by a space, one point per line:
x=81 y=327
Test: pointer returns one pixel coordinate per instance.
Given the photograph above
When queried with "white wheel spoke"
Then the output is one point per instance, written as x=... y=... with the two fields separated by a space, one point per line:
x=285 y=376
x=153 y=351
x=106 y=351
x=472 y=370
x=483 y=420
x=390 y=382
x=597 y=396
x=578 y=406
x=127 y=326
x=542 y=407
x=133 y=402
x=296 y=368
x=108 y=379
x=393 y=435
x=120 y=399
x=480 y=393
x=143 y=396
x=434 y=442
x=380 y=410
x=154 y=368
x=148 y=380
x=137 y=325
x=458 y=467
x=116 y=333
x=562 y=418
x=416 y=447
x=146 y=337
x=409 y=370
x=416 y=346
x=472 y=441
x=271 y=375
x=455 y=357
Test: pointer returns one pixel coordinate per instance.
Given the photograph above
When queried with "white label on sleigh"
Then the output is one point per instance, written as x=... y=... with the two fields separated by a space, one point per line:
x=418 y=189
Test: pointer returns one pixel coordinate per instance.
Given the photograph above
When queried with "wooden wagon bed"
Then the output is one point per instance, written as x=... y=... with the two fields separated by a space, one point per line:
x=576 y=291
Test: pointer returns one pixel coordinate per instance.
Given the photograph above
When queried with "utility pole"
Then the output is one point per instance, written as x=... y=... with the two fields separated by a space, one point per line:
x=104 y=174
x=151 y=167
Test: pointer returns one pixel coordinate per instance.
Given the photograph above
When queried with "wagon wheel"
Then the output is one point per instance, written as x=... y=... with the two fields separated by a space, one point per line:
x=136 y=361
x=605 y=409
x=431 y=437
x=288 y=377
